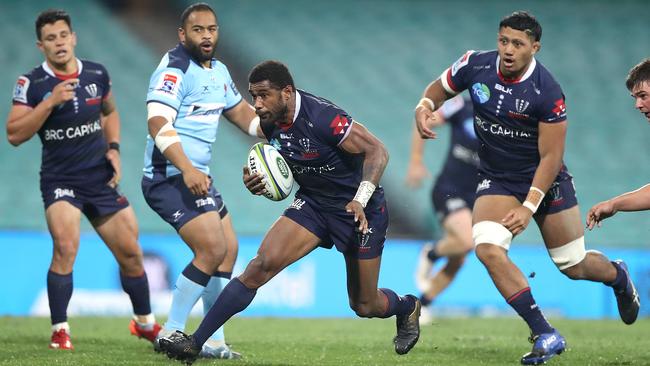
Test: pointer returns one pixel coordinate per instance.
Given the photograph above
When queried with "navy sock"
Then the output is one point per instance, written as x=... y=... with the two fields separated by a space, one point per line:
x=234 y=298
x=525 y=306
x=397 y=305
x=620 y=282
x=196 y=275
x=226 y=275
x=59 y=292
x=138 y=290
x=425 y=301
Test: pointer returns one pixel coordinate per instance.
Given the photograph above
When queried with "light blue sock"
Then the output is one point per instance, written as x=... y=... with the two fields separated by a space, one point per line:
x=212 y=291
x=185 y=295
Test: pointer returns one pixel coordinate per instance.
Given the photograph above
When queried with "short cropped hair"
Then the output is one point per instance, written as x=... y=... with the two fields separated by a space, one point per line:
x=51 y=16
x=193 y=8
x=275 y=72
x=525 y=22
x=638 y=75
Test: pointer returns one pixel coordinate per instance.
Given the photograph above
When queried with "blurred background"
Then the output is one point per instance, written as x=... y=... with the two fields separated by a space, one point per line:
x=372 y=58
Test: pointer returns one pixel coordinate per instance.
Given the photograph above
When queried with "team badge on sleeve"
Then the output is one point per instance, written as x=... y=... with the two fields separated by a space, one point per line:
x=339 y=125
x=168 y=84
x=20 y=91
x=464 y=60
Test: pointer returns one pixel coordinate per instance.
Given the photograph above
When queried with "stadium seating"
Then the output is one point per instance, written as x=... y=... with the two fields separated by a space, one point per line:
x=373 y=58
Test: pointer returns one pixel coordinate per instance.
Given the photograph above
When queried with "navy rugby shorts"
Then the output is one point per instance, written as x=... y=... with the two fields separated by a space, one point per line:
x=448 y=199
x=174 y=203
x=561 y=195
x=338 y=229
x=89 y=192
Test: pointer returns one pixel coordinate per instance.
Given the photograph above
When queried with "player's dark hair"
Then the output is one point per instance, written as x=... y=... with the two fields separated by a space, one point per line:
x=51 y=16
x=525 y=22
x=275 y=72
x=638 y=74
x=193 y=8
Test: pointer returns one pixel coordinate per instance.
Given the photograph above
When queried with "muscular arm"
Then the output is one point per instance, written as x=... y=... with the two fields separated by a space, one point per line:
x=424 y=118
x=110 y=120
x=361 y=141
x=241 y=116
x=551 y=150
x=24 y=121
x=633 y=201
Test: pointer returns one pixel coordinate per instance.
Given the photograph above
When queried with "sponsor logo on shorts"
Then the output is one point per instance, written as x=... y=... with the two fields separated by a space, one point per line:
x=204 y=202
x=177 y=215
x=485 y=184
x=63 y=192
x=297 y=204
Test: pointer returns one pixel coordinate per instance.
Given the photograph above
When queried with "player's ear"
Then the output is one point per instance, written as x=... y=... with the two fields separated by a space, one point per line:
x=74 y=39
x=181 y=34
x=537 y=45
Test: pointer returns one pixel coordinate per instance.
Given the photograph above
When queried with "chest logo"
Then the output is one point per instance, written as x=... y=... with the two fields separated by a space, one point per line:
x=480 y=93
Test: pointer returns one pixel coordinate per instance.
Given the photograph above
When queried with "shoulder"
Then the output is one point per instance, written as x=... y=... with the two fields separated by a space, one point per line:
x=176 y=58
x=316 y=106
x=34 y=74
x=544 y=77
x=93 y=69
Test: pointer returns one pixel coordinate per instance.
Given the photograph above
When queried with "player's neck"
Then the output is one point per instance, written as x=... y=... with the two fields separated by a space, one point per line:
x=69 y=69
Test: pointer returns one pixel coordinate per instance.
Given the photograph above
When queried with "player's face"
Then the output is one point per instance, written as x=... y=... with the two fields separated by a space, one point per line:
x=271 y=104
x=57 y=44
x=200 y=34
x=641 y=95
x=516 y=51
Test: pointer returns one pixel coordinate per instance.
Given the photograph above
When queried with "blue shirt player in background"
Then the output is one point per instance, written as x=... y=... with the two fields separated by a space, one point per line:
x=520 y=119
x=69 y=104
x=452 y=197
x=338 y=164
x=188 y=92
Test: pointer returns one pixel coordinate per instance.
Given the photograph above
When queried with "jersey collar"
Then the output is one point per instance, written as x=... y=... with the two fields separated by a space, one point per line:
x=525 y=76
x=51 y=72
x=297 y=111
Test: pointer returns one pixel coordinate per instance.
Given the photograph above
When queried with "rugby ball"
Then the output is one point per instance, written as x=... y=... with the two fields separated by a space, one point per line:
x=267 y=161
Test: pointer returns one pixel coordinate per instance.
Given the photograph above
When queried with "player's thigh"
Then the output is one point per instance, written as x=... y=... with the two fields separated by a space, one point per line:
x=561 y=227
x=493 y=207
x=458 y=227
x=118 y=230
x=231 y=244
x=285 y=243
x=362 y=277
x=204 y=233
x=63 y=221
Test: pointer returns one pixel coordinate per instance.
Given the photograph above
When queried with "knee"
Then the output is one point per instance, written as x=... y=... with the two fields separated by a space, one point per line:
x=575 y=272
x=259 y=271
x=131 y=261
x=490 y=254
x=64 y=250
x=212 y=252
x=363 y=309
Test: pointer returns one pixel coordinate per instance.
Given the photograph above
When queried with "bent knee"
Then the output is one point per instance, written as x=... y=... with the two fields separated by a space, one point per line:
x=489 y=254
x=259 y=271
x=364 y=309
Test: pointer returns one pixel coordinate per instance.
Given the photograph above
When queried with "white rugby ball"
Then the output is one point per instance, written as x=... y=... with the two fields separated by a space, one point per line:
x=267 y=161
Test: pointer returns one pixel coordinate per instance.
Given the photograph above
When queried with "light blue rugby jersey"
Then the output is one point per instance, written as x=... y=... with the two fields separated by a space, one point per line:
x=199 y=96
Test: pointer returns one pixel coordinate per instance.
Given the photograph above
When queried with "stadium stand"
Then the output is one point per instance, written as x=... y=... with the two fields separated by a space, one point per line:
x=373 y=58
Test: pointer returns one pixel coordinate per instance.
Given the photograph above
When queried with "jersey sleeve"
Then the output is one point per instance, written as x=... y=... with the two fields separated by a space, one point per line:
x=23 y=95
x=232 y=94
x=553 y=108
x=455 y=79
x=106 y=82
x=167 y=86
x=334 y=125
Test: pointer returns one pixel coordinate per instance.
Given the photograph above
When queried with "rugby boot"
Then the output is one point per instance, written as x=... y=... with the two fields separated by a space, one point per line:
x=140 y=332
x=180 y=346
x=545 y=346
x=627 y=299
x=408 y=329
x=223 y=352
x=61 y=340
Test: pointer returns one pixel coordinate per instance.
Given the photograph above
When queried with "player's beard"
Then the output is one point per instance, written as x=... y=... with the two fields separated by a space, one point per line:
x=195 y=51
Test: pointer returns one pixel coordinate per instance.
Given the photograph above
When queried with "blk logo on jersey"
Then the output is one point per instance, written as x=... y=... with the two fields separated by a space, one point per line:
x=339 y=125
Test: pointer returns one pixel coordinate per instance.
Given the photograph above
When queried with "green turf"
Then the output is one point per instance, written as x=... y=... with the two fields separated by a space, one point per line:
x=348 y=342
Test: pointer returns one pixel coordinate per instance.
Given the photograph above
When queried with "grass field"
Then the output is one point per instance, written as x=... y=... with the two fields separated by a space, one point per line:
x=349 y=342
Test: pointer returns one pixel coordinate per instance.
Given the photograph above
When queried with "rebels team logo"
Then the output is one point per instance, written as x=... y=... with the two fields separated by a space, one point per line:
x=92 y=92
x=480 y=93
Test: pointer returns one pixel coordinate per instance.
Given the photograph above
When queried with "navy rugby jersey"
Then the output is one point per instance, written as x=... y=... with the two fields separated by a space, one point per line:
x=72 y=135
x=507 y=112
x=462 y=159
x=310 y=145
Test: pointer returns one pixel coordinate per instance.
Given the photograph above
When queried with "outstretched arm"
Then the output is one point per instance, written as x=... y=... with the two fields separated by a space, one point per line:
x=631 y=201
x=417 y=170
x=434 y=96
x=361 y=141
